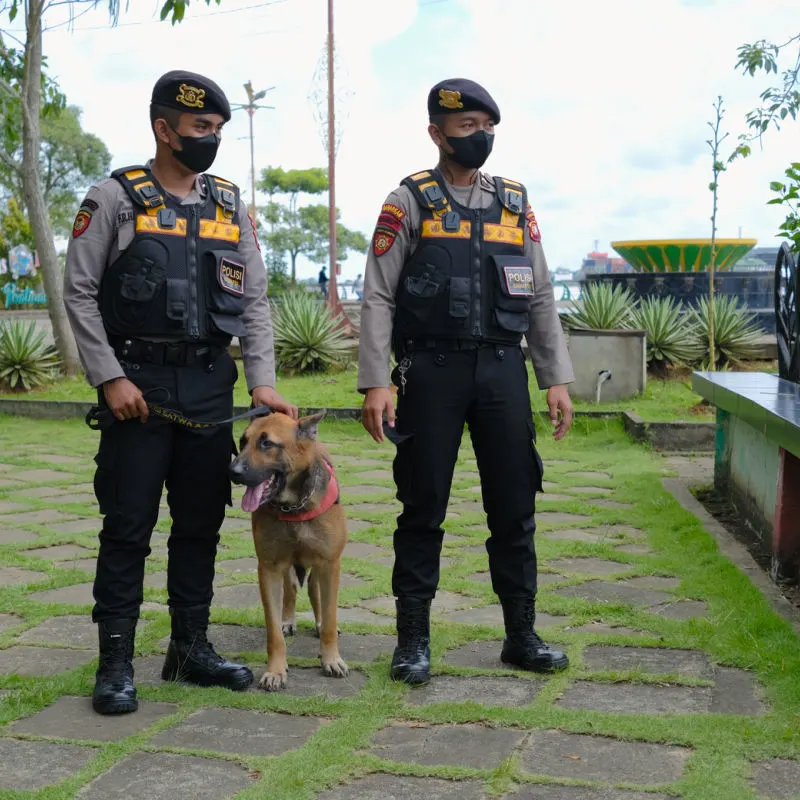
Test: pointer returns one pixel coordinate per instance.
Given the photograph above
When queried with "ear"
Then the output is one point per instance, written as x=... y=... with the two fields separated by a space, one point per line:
x=162 y=129
x=307 y=426
x=435 y=134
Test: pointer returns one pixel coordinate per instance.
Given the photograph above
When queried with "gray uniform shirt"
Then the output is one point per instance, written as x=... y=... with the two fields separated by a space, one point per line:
x=545 y=336
x=110 y=231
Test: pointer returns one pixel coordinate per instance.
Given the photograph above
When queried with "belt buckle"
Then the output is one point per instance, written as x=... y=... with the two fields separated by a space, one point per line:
x=175 y=353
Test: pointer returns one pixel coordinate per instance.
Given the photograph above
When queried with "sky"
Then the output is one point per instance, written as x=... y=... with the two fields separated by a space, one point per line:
x=605 y=106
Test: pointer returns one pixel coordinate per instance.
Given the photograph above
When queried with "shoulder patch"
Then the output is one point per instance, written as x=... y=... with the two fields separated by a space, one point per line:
x=533 y=225
x=89 y=204
x=390 y=220
x=82 y=222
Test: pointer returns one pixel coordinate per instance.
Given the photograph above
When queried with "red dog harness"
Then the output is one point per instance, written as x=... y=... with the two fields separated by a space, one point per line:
x=329 y=499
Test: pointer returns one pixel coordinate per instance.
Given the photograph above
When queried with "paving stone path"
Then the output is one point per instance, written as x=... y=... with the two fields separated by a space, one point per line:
x=633 y=629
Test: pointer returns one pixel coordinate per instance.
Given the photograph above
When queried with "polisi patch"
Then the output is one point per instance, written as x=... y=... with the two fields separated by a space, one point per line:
x=519 y=281
x=231 y=276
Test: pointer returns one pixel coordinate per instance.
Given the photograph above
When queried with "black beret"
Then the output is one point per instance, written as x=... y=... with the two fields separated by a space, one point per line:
x=459 y=94
x=190 y=93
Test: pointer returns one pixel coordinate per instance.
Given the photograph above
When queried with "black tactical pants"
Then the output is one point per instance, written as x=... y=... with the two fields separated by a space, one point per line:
x=136 y=460
x=486 y=388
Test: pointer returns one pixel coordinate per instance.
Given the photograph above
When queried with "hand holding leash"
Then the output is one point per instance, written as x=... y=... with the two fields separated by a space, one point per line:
x=125 y=400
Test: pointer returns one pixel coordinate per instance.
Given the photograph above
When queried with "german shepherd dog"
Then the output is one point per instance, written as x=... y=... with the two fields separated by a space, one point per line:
x=298 y=526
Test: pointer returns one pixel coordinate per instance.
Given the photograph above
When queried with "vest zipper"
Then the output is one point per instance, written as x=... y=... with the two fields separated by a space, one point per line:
x=194 y=282
x=477 y=329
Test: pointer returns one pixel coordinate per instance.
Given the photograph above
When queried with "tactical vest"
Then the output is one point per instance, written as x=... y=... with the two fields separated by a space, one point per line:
x=467 y=278
x=181 y=278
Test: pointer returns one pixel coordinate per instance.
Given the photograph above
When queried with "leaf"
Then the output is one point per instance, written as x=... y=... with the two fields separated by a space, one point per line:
x=776 y=186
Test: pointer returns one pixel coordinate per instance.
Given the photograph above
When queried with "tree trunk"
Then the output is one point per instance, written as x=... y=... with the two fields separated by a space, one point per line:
x=34 y=198
x=294 y=261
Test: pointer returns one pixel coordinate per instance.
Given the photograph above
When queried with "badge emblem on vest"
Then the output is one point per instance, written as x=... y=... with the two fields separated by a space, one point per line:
x=191 y=96
x=450 y=99
x=231 y=276
x=519 y=281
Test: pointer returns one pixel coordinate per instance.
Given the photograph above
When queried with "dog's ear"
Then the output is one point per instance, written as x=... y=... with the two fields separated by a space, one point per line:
x=307 y=426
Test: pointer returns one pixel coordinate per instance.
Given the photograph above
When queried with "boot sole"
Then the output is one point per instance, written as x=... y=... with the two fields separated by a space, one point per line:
x=411 y=678
x=554 y=666
x=112 y=707
x=238 y=685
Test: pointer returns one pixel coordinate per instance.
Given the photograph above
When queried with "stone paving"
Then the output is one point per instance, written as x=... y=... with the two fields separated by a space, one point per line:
x=606 y=597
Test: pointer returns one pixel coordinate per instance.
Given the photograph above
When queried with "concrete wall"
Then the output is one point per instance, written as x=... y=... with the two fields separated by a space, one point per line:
x=746 y=468
x=623 y=353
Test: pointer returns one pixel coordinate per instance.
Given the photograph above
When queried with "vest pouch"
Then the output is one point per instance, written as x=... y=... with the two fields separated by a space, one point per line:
x=135 y=280
x=513 y=292
x=177 y=299
x=421 y=292
x=225 y=279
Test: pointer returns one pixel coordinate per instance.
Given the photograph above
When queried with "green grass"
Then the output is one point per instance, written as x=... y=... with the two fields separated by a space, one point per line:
x=663 y=400
x=739 y=630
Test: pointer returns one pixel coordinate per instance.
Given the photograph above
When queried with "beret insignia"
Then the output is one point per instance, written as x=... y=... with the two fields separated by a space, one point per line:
x=450 y=99
x=191 y=96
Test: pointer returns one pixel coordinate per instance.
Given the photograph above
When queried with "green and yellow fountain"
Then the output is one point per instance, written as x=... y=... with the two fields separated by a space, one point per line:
x=679 y=268
x=682 y=255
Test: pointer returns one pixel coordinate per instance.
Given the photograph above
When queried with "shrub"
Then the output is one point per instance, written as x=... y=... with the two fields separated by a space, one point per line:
x=306 y=336
x=26 y=360
x=735 y=332
x=603 y=308
x=672 y=336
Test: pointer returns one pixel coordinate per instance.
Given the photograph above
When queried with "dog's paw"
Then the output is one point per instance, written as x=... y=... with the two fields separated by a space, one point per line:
x=289 y=628
x=273 y=681
x=336 y=668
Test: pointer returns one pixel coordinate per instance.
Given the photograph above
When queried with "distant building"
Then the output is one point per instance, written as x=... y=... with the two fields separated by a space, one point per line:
x=597 y=263
x=760 y=258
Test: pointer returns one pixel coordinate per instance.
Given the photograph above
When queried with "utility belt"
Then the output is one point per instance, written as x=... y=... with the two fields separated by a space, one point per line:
x=175 y=354
x=405 y=346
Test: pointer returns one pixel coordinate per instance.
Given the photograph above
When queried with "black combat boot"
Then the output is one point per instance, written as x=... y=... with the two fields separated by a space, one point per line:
x=411 y=662
x=191 y=657
x=114 y=692
x=522 y=646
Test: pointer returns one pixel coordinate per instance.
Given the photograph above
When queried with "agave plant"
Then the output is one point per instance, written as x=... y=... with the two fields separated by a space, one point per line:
x=26 y=360
x=306 y=335
x=672 y=336
x=603 y=307
x=736 y=334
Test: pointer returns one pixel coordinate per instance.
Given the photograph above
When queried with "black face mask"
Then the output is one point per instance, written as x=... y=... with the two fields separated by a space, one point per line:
x=198 y=153
x=471 y=151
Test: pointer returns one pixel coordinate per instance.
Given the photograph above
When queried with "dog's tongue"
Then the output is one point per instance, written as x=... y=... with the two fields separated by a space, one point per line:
x=251 y=499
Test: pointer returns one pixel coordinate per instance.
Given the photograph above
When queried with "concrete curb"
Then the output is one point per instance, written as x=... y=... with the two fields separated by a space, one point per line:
x=676 y=437
x=695 y=437
x=734 y=550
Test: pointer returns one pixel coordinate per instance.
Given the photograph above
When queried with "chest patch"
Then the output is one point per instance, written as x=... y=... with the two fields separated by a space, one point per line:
x=231 y=276
x=519 y=281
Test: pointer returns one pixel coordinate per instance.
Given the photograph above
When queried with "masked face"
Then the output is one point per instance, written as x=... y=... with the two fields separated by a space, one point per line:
x=197 y=153
x=194 y=141
x=471 y=151
x=467 y=139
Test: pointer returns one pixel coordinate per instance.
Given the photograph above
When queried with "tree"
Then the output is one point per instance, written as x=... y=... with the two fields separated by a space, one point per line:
x=29 y=90
x=717 y=167
x=305 y=232
x=777 y=102
x=70 y=160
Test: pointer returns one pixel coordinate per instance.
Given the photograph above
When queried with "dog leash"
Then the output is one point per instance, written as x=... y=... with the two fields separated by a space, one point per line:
x=100 y=418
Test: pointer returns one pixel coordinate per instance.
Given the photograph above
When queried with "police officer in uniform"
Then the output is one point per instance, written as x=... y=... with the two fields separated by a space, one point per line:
x=455 y=277
x=163 y=269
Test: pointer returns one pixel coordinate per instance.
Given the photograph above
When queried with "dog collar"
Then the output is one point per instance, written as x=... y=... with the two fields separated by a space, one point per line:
x=329 y=499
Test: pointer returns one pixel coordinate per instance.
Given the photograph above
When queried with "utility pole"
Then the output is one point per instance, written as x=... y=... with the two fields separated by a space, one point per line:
x=251 y=107
x=331 y=152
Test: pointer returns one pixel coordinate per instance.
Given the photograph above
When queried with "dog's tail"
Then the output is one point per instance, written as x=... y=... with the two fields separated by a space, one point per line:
x=300 y=572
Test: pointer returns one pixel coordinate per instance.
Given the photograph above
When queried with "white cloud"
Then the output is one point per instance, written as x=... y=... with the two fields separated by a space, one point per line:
x=604 y=104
